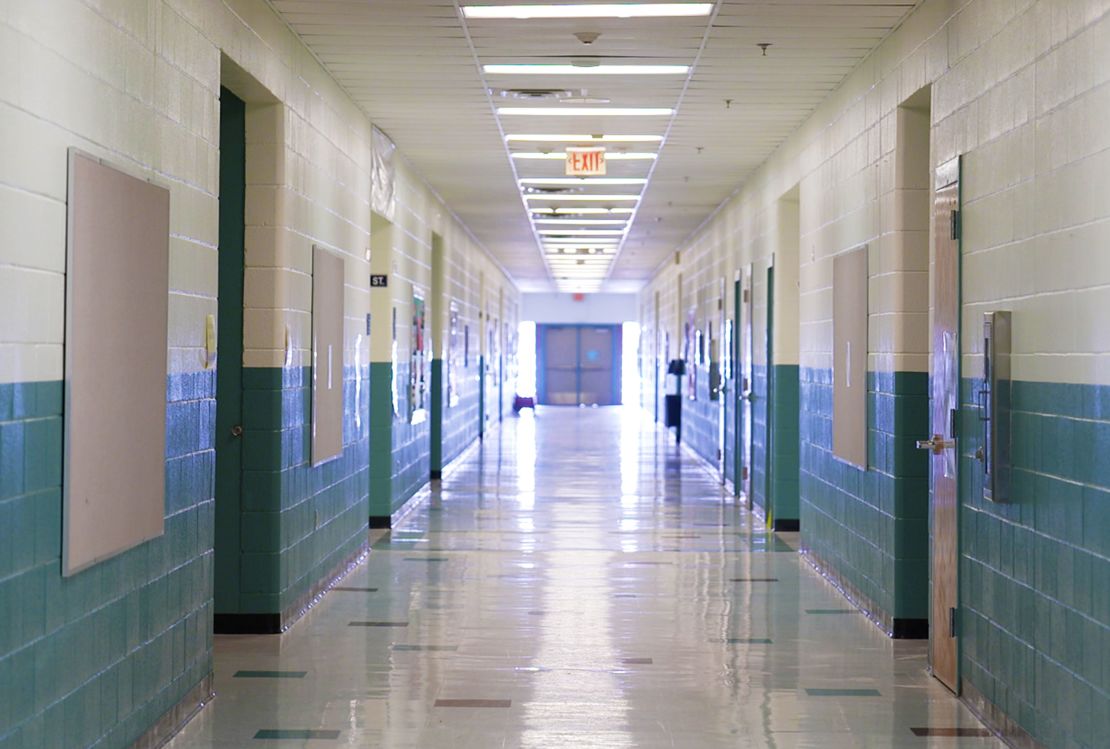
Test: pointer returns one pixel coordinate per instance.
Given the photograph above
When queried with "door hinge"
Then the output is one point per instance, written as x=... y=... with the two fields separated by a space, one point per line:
x=953 y=422
x=956 y=227
x=952 y=622
x=744 y=473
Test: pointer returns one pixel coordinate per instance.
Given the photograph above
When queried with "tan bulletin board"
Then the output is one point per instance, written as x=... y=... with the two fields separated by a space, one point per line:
x=117 y=290
x=850 y=357
x=327 y=355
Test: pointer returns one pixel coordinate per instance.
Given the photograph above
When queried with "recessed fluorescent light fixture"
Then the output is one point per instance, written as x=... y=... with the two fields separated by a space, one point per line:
x=562 y=138
x=590 y=198
x=547 y=211
x=581 y=221
x=603 y=10
x=527 y=69
x=583 y=181
x=586 y=111
x=583 y=232
x=561 y=156
x=582 y=211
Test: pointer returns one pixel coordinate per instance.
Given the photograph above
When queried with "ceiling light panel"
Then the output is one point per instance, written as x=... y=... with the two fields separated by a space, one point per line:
x=581 y=211
x=559 y=156
x=583 y=232
x=583 y=181
x=576 y=10
x=581 y=138
x=581 y=222
x=584 y=197
x=562 y=70
x=585 y=111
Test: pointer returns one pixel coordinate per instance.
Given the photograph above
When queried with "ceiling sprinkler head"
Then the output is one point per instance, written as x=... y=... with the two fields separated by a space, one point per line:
x=763 y=46
x=587 y=37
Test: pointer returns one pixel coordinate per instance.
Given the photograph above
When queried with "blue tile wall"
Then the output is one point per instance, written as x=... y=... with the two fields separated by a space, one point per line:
x=460 y=422
x=759 y=436
x=97 y=658
x=400 y=464
x=869 y=529
x=1035 y=571
x=700 y=419
x=298 y=521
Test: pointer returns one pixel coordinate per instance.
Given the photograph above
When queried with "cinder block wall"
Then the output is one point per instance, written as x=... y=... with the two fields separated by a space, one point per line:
x=1019 y=90
x=98 y=658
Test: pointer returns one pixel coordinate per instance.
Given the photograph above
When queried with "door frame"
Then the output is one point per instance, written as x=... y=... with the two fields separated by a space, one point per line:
x=746 y=451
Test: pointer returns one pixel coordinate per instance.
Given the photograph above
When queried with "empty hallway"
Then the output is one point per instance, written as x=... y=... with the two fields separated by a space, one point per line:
x=579 y=581
x=500 y=373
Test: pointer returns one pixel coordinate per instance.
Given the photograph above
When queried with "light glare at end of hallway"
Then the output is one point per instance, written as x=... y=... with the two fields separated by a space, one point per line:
x=604 y=10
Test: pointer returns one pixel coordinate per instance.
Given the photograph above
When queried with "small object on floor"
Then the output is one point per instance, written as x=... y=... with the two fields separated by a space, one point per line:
x=521 y=402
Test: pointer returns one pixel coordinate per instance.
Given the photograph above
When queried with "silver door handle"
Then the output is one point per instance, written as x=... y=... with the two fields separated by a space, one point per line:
x=937 y=444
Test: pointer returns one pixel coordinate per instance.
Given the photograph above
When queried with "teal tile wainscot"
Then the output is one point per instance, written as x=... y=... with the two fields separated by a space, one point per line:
x=98 y=658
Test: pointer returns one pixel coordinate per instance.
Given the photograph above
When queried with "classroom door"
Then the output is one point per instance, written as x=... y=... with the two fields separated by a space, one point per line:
x=745 y=389
x=944 y=404
x=731 y=393
x=229 y=344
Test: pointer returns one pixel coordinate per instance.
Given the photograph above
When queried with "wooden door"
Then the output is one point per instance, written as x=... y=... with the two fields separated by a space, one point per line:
x=944 y=404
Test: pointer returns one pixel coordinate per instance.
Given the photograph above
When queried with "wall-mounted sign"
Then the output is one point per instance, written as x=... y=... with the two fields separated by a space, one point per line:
x=585 y=162
x=379 y=280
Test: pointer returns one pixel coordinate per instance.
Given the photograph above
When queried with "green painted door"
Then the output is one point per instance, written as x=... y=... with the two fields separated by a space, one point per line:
x=769 y=438
x=735 y=398
x=229 y=371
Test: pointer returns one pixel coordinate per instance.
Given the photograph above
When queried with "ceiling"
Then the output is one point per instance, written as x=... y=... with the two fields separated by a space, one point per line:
x=416 y=68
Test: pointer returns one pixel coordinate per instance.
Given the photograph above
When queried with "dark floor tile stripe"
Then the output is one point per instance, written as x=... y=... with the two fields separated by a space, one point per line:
x=425 y=559
x=353 y=589
x=753 y=579
x=269 y=674
x=425 y=648
x=748 y=641
x=473 y=703
x=296 y=733
x=377 y=624
x=843 y=692
x=832 y=611
x=951 y=732
x=638 y=661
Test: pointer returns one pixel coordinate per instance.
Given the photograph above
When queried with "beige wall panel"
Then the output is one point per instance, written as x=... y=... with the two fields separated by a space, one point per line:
x=328 y=272
x=850 y=357
x=117 y=286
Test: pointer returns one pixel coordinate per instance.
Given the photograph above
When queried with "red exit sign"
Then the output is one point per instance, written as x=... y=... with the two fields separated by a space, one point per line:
x=585 y=162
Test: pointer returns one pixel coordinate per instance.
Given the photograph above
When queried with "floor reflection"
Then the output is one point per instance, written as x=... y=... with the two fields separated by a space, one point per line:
x=580 y=581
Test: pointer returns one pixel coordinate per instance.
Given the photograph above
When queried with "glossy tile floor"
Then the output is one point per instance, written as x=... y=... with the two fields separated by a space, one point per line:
x=578 y=581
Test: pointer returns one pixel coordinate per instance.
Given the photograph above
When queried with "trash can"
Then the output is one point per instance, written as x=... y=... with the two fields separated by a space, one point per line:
x=672 y=397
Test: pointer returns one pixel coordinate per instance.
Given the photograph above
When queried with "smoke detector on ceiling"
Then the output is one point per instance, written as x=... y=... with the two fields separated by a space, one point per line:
x=587 y=37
